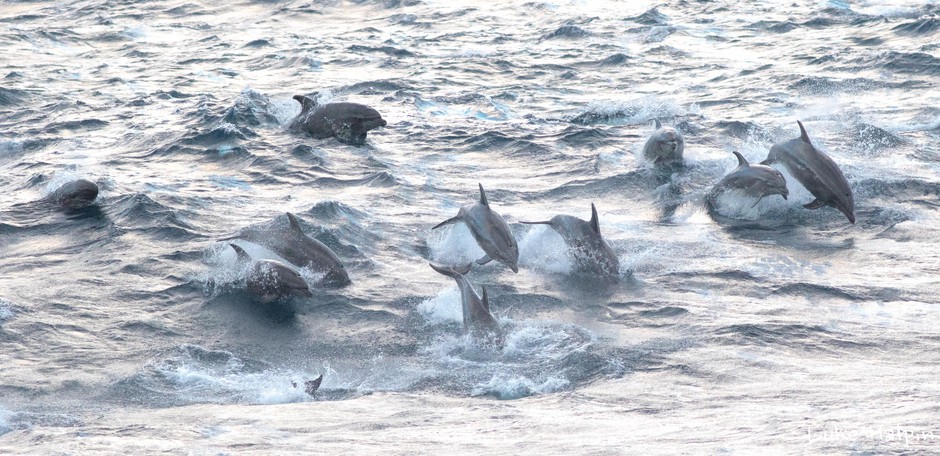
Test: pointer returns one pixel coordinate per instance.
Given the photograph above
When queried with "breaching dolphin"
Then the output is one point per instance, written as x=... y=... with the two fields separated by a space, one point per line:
x=477 y=319
x=664 y=146
x=270 y=280
x=753 y=180
x=75 y=194
x=348 y=122
x=491 y=232
x=816 y=171
x=296 y=247
x=591 y=252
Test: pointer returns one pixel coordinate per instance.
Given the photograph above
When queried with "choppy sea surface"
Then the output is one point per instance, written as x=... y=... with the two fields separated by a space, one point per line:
x=770 y=329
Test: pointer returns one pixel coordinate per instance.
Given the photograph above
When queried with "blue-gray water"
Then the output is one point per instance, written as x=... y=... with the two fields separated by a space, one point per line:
x=787 y=330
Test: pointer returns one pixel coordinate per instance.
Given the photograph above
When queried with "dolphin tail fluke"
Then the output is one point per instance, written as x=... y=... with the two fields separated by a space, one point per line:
x=741 y=160
x=452 y=272
x=815 y=204
x=242 y=254
x=311 y=386
x=484 y=260
x=803 y=135
x=453 y=219
x=595 y=221
x=483 y=200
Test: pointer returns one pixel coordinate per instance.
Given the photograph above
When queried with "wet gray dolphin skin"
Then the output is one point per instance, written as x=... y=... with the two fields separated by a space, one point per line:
x=76 y=194
x=754 y=180
x=348 y=122
x=816 y=171
x=591 y=252
x=477 y=319
x=303 y=251
x=665 y=146
x=491 y=232
x=270 y=280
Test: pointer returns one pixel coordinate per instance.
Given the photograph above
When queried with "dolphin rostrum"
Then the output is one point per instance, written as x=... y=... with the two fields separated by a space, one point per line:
x=270 y=280
x=591 y=252
x=75 y=194
x=477 y=319
x=664 y=146
x=491 y=232
x=296 y=247
x=754 y=180
x=816 y=171
x=348 y=122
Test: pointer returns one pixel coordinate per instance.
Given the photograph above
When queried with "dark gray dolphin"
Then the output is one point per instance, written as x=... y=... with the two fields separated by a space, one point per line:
x=477 y=319
x=589 y=249
x=491 y=232
x=270 y=280
x=348 y=122
x=311 y=386
x=754 y=180
x=816 y=171
x=76 y=194
x=296 y=247
x=665 y=146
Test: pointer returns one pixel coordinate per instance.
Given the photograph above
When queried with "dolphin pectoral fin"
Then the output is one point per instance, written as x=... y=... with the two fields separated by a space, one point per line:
x=815 y=204
x=342 y=130
x=453 y=219
x=484 y=260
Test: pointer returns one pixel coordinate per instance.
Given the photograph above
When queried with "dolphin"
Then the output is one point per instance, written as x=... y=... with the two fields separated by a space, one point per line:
x=754 y=180
x=491 y=232
x=816 y=171
x=348 y=122
x=591 y=252
x=270 y=280
x=477 y=319
x=75 y=194
x=665 y=146
x=296 y=247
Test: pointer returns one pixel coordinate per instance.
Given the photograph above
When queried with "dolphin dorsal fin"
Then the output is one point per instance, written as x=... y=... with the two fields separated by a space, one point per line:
x=306 y=103
x=803 y=135
x=658 y=124
x=741 y=160
x=486 y=299
x=483 y=197
x=294 y=224
x=242 y=254
x=595 y=222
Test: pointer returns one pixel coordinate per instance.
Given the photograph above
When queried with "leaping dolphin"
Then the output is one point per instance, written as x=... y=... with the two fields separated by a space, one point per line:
x=816 y=171
x=270 y=280
x=303 y=251
x=75 y=194
x=477 y=319
x=589 y=249
x=348 y=122
x=754 y=180
x=491 y=232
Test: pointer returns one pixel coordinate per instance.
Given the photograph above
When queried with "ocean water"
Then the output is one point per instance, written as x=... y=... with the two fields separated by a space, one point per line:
x=768 y=328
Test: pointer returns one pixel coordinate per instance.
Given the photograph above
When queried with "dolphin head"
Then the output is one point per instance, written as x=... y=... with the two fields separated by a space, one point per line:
x=336 y=277
x=76 y=194
x=671 y=141
x=845 y=203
